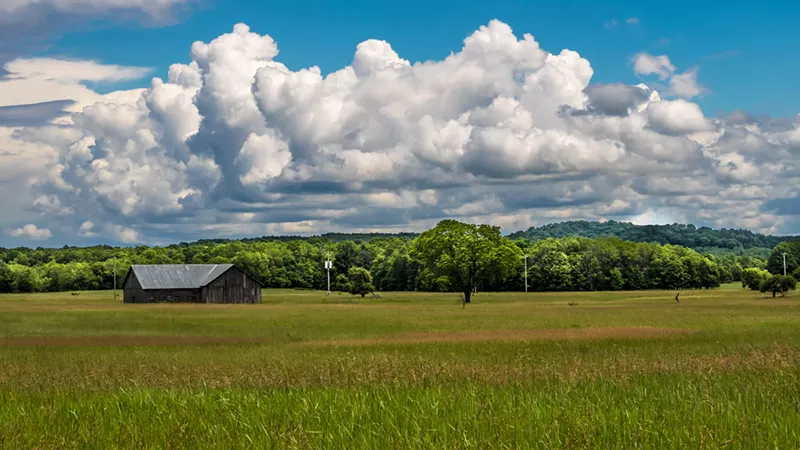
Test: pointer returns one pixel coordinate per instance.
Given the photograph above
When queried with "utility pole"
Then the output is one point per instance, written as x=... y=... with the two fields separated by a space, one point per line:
x=114 y=270
x=526 y=272
x=328 y=266
x=784 y=263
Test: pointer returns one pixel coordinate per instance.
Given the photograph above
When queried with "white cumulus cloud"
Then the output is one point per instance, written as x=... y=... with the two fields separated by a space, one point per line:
x=685 y=84
x=123 y=234
x=647 y=64
x=501 y=131
x=32 y=232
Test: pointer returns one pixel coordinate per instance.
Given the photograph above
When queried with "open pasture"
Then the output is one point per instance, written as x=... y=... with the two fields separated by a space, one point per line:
x=719 y=369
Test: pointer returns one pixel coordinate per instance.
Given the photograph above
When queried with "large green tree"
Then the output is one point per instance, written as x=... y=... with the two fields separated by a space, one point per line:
x=466 y=255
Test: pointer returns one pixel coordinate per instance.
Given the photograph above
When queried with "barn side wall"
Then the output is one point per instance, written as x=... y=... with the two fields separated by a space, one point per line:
x=131 y=295
x=172 y=296
x=234 y=286
x=132 y=291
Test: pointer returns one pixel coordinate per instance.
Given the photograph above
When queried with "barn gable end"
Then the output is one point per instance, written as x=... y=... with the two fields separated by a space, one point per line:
x=132 y=291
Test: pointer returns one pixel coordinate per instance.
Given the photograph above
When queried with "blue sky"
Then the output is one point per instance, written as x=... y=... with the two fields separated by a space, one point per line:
x=690 y=116
x=746 y=51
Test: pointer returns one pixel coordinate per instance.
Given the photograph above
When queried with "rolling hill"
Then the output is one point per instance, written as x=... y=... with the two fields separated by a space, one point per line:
x=676 y=234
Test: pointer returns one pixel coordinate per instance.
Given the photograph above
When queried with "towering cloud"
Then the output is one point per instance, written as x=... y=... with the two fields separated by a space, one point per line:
x=500 y=131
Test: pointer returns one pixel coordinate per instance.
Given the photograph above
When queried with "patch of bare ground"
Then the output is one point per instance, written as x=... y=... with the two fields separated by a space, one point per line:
x=123 y=341
x=553 y=334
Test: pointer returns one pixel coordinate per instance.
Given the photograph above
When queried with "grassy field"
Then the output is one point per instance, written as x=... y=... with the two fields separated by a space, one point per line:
x=720 y=369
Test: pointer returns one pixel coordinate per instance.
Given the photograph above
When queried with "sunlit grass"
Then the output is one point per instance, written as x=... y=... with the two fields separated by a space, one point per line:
x=720 y=369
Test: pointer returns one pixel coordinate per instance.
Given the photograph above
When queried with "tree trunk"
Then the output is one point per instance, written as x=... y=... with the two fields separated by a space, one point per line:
x=773 y=294
x=467 y=295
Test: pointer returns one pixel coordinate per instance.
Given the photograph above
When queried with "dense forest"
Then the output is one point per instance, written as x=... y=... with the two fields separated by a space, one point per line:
x=554 y=263
x=701 y=239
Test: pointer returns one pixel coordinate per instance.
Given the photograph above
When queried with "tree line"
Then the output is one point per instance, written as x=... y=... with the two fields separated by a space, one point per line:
x=686 y=235
x=451 y=257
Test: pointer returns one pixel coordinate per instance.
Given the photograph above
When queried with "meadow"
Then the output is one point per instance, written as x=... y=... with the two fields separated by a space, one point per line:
x=719 y=369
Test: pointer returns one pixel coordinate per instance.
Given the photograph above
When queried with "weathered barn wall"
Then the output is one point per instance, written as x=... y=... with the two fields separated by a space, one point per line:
x=234 y=286
x=132 y=291
x=173 y=296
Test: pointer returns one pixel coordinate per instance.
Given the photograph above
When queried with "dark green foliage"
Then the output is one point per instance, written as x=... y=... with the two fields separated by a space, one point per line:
x=676 y=234
x=5 y=277
x=775 y=261
x=778 y=284
x=565 y=264
x=341 y=283
x=752 y=278
x=609 y=264
x=787 y=283
x=463 y=256
x=359 y=281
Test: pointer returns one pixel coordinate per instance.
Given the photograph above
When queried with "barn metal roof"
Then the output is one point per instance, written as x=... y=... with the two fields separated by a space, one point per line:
x=178 y=276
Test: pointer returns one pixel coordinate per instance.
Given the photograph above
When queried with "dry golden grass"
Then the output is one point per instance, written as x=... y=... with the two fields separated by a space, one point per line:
x=551 y=334
x=123 y=341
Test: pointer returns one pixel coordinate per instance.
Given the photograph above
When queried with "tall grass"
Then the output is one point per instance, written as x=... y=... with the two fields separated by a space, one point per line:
x=306 y=371
x=742 y=410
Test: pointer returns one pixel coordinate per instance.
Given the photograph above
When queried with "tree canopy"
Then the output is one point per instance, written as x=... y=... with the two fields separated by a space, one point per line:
x=359 y=281
x=698 y=238
x=400 y=263
x=778 y=284
x=753 y=278
x=775 y=260
x=460 y=256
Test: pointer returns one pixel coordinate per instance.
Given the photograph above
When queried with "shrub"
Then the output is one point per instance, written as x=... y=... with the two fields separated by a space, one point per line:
x=360 y=281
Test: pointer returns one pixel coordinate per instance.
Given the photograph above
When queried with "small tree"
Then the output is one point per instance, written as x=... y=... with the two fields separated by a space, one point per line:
x=779 y=284
x=787 y=283
x=360 y=281
x=753 y=278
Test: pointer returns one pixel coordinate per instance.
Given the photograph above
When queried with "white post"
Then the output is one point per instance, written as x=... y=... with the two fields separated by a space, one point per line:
x=115 y=281
x=526 y=273
x=784 y=264
x=328 y=266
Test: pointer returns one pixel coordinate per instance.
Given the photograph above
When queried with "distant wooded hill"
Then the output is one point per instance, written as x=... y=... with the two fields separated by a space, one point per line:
x=675 y=234
x=327 y=237
x=698 y=238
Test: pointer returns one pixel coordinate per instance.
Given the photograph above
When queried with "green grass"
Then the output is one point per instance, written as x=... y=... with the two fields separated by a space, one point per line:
x=720 y=369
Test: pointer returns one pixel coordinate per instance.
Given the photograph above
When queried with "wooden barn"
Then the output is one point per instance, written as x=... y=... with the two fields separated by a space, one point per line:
x=190 y=283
